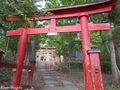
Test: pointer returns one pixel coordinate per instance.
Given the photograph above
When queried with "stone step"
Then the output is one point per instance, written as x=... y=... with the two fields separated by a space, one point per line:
x=52 y=82
x=55 y=84
x=53 y=88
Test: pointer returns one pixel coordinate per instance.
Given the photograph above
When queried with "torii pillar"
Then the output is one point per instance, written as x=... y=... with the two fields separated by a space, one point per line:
x=20 y=58
x=83 y=17
x=91 y=63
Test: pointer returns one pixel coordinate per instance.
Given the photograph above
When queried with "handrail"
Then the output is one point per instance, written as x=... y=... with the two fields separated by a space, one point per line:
x=13 y=66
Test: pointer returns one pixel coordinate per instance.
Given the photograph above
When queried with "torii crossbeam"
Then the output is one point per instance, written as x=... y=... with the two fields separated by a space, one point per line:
x=91 y=63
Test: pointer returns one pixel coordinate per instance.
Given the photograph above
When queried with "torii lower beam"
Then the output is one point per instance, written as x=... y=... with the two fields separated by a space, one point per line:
x=74 y=28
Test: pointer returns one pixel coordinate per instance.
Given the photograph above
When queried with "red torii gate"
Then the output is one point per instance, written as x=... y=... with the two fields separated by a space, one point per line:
x=92 y=71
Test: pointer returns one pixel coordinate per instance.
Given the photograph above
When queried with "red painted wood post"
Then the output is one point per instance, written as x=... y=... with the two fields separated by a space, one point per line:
x=97 y=83
x=60 y=74
x=85 y=47
x=20 y=58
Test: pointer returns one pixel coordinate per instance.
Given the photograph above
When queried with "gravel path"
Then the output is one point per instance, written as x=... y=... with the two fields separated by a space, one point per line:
x=38 y=82
x=79 y=82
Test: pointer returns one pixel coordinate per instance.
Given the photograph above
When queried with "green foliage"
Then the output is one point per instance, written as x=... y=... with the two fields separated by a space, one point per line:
x=114 y=15
x=23 y=9
x=106 y=65
x=68 y=21
x=98 y=18
x=113 y=87
x=5 y=76
x=96 y=43
x=68 y=44
x=61 y=3
x=77 y=66
x=65 y=70
x=79 y=74
x=116 y=35
x=2 y=43
x=95 y=39
x=12 y=43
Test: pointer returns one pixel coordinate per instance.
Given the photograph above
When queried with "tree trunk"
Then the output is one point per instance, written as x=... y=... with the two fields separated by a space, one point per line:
x=6 y=49
x=108 y=50
x=104 y=43
x=118 y=52
x=112 y=55
x=115 y=76
x=118 y=71
x=33 y=50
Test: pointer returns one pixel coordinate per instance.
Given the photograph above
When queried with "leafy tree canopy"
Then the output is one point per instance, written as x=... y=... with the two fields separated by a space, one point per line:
x=23 y=9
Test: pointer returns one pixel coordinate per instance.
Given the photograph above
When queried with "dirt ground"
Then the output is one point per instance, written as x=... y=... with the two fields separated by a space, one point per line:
x=76 y=77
